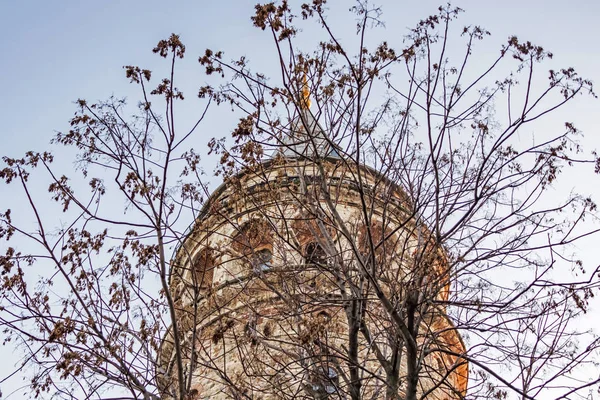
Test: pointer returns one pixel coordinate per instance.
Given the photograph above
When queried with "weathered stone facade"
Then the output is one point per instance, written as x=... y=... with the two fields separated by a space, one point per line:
x=261 y=278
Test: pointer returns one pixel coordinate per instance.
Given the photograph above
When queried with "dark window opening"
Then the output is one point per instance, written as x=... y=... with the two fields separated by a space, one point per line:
x=314 y=254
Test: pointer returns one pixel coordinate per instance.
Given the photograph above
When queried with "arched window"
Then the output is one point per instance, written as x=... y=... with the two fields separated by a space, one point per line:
x=254 y=241
x=261 y=260
x=324 y=382
x=203 y=268
x=252 y=235
x=384 y=242
x=314 y=254
x=309 y=230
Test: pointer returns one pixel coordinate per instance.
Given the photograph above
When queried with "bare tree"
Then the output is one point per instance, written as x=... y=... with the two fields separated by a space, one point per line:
x=88 y=301
x=382 y=231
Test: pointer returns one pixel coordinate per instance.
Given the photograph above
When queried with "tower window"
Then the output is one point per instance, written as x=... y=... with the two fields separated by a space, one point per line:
x=254 y=243
x=262 y=260
x=330 y=386
x=324 y=383
x=252 y=235
x=314 y=254
x=203 y=268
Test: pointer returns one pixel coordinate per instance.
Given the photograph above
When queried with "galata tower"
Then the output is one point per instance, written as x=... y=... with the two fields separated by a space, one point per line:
x=307 y=276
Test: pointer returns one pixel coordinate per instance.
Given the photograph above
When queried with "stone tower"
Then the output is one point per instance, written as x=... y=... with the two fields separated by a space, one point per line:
x=268 y=279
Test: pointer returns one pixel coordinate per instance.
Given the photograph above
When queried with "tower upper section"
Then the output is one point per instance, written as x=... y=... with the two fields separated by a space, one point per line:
x=268 y=281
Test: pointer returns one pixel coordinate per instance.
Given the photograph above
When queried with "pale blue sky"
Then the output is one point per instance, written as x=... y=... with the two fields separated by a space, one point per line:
x=54 y=52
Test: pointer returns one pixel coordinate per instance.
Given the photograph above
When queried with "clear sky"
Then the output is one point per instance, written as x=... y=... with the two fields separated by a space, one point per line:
x=54 y=52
